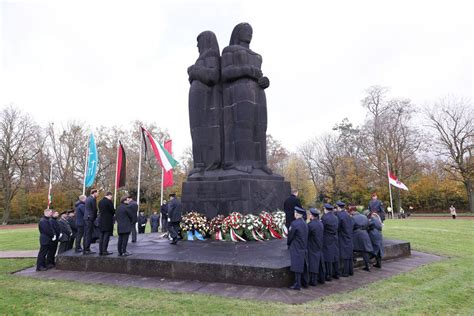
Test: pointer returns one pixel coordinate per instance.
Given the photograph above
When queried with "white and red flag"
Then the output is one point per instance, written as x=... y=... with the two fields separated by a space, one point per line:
x=164 y=158
x=393 y=180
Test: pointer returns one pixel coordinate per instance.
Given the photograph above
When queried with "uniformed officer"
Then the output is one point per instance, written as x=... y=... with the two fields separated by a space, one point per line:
x=330 y=242
x=125 y=217
x=71 y=219
x=315 y=248
x=375 y=205
x=361 y=239
x=174 y=218
x=375 y=234
x=66 y=232
x=142 y=222
x=298 y=244
x=154 y=222
x=345 y=232
x=47 y=235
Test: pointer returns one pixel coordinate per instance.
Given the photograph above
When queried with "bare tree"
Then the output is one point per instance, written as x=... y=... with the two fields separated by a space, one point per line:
x=276 y=154
x=452 y=120
x=17 y=151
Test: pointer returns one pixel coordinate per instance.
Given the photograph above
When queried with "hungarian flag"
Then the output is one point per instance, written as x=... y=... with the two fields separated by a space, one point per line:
x=164 y=158
x=168 y=176
x=393 y=180
x=121 y=166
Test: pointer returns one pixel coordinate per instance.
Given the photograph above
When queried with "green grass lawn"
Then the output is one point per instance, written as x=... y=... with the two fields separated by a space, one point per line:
x=19 y=239
x=445 y=287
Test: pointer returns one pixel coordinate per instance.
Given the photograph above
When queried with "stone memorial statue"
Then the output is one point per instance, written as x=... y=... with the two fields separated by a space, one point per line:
x=228 y=121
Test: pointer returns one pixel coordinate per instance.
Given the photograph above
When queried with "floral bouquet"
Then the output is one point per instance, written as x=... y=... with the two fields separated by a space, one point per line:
x=232 y=227
x=279 y=220
x=267 y=221
x=253 y=227
x=215 y=226
x=194 y=225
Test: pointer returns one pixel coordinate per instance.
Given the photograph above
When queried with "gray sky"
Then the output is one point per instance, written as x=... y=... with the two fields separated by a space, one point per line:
x=113 y=62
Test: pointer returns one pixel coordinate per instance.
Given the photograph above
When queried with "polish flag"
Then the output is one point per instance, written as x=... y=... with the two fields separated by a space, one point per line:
x=393 y=180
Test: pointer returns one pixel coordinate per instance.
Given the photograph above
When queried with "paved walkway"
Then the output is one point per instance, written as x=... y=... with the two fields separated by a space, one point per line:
x=361 y=278
x=18 y=254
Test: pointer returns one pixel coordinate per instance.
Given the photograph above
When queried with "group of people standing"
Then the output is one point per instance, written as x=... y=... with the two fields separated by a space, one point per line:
x=320 y=246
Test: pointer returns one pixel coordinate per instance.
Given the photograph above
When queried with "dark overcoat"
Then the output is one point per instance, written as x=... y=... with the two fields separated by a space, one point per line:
x=330 y=241
x=375 y=234
x=361 y=239
x=65 y=229
x=174 y=210
x=80 y=213
x=345 y=232
x=106 y=218
x=133 y=206
x=154 y=222
x=90 y=208
x=377 y=206
x=124 y=219
x=56 y=227
x=72 y=224
x=289 y=208
x=142 y=220
x=298 y=243
x=46 y=231
x=315 y=245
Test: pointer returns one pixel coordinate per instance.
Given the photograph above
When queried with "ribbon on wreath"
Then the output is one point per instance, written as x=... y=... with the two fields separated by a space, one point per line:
x=255 y=235
x=198 y=235
x=218 y=235
x=234 y=236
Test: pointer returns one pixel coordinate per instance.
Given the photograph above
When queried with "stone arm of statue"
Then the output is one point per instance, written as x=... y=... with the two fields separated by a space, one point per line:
x=232 y=72
x=207 y=75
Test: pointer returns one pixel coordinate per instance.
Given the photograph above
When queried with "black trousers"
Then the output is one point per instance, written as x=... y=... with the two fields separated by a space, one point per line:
x=154 y=228
x=122 y=243
x=104 y=241
x=173 y=228
x=141 y=229
x=63 y=246
x=79 y=235
x=70 y=244
x=164 y=223
x=365 y=256
x=51 y=256
x=41 y=259
x=348 y=267
x=332 y=270
x=335 y=269
x=88 y=228
x=134 y=232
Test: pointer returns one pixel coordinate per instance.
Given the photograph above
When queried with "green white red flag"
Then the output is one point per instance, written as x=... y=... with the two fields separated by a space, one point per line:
x=164 y=158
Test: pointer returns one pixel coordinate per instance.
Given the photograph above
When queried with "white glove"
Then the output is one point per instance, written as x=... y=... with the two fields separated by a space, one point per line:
x=143 y=225
x=60 y=235
x=54 y=238
x=169 y=219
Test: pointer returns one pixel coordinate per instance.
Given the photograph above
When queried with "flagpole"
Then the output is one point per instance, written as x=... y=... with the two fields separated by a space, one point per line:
x=139 y=169
x=389 y=186
x=116 y=174
x=50 y=184
x=85 y=169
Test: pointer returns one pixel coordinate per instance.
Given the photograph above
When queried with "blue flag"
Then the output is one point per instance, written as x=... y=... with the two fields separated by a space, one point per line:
x=92 y=162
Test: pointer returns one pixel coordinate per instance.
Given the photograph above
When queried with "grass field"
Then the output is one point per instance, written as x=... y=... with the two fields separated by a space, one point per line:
x=445 y=287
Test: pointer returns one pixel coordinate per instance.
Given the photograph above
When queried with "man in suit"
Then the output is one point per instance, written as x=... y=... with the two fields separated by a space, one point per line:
x=330 y=242
x=106 y=223
x=164 y=216
x=142 y=222
x=133 y=205
x=289 y=207
x=315 y=248
x=71 y=219
x=345 y=232
x=90 y=215
x=66 y=232
x=125 y=219
x=174 y=217
x=53 y=248
x=47 y=235
x=375 y=205
x=154 y=222
x=298 y=244
x=80 y=205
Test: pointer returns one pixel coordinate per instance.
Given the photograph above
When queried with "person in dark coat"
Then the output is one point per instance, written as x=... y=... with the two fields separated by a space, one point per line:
x=315 y=248
x=154 y=222
x=345 y=232
x=330 y=242
x=174 y=218
x=80 y=205
x=375 y=234
x=66 y=233
x=298 y=244
x=360 y=237
x=133 y=205
x=90 y=215
x=164 y=217
x=375 y=205
x=106 y=223
x=142 y=220
x=289 y=207
x=51 y=257
x=47 y=236
x=125 y=218
x=71 y=219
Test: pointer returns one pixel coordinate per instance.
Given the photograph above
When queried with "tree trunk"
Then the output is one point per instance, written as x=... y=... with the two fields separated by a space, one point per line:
x=470 y=194
x=6 y=211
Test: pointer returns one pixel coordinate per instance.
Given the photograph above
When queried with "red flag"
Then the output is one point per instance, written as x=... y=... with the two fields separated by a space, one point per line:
x=121 y=166
x=168 y=176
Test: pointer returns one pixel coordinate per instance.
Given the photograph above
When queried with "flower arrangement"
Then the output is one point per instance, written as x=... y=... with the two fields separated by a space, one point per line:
x=215 y=227
x=193 y=225
x=267 y=220
x=279 y=220
x=253 y=227
x=232 y=227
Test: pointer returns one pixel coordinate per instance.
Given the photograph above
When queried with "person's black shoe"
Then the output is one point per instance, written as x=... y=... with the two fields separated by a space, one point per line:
x=134 y=241
x=328 y=279
x=78 y=250
x=294 y=287
x=120 y=254
x=126 y=254
x=336 y=277
x=41 y=269
x=345 y=275
x=174 y=242
x=312 y=283
x=107 y=253
x=88 y=252
x=305 y=286
x=50 y=266
x=366 y=269
x=378 y=265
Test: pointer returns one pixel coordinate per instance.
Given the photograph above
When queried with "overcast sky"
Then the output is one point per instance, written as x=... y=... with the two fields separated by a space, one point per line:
x=109 y=63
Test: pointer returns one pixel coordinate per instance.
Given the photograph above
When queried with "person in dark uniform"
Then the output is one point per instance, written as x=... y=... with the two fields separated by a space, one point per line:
x=345 y=232
x=90 y=215
x=164 y=217
x=125 y=218
x=360 y=237
x=375 y=205
x=106 y=223
x=133 y=205
x=330 y=242
x=80 y=205
x=142 y=220
x=154 y=222
x=174 y=218
x=298 y=244
x=71 y=219
x=66 y=233
x=47 y=236
x=51 y=257
x=289 y=207
x=315 y=248
x=375 y=234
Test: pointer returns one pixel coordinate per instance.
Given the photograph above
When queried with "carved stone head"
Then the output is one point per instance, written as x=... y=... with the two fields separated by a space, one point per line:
x=207 y=40
x=242 y=33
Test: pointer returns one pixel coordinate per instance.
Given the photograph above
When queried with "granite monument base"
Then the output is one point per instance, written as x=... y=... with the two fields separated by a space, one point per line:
x=249 y=263
x=224 y=191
